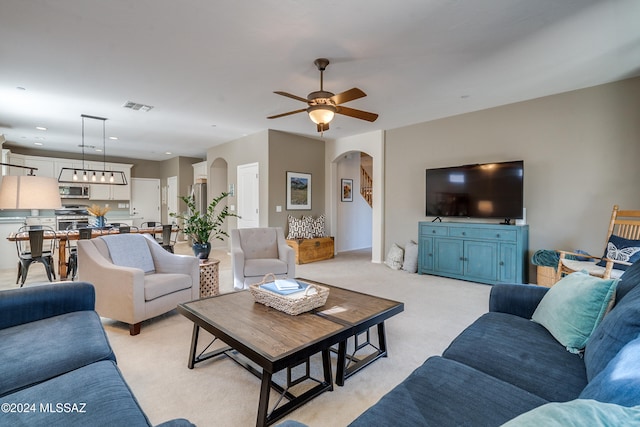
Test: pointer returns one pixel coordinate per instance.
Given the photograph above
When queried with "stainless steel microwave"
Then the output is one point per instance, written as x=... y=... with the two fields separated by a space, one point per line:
x=74 y=191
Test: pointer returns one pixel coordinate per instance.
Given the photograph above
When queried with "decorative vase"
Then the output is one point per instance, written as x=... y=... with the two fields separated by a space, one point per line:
x=201 y=250
x=100 y=221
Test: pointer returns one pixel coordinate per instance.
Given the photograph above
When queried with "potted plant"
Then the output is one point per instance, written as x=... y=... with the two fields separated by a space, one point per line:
x=201 y=227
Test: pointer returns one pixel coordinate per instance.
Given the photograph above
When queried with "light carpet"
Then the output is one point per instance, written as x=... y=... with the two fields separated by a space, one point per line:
x=220 y=393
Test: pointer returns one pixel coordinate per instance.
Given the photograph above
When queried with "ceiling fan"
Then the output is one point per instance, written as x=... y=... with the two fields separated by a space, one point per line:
x=323 y=105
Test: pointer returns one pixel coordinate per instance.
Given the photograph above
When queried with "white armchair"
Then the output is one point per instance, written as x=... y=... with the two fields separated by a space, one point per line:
x=135 y=278
x=258 y=251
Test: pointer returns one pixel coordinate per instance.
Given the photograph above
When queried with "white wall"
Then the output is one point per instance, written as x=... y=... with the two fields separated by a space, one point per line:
x=355 y=218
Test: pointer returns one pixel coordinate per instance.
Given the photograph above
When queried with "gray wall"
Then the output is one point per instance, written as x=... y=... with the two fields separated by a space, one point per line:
x=250 y=149
x=581 y=151
x=276 y=153
x=294 y=153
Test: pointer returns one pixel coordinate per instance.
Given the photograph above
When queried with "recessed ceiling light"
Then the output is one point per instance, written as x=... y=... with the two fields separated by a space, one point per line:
x=41 y=128
x=38 y=143
x=168 y=152
x=99 y=150
x=115 y=138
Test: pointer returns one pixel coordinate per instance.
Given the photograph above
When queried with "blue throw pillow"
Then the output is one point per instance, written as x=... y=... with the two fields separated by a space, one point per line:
x=574 y=306
x=619 y=327
x=577 y=413
x=619 y=382
x=620 y=249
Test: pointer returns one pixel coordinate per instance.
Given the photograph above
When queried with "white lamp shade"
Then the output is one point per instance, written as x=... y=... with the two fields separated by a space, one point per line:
x=320 y=114
x=29 y=192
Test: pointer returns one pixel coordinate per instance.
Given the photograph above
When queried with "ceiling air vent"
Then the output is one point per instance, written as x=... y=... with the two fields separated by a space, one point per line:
x=137 y=106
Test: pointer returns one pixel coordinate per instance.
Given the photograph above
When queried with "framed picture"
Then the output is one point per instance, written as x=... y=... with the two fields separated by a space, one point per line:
x=346 y=195
x=298 y=191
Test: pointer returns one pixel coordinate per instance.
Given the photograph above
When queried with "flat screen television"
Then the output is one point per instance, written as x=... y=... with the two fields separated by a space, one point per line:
x=491 y=190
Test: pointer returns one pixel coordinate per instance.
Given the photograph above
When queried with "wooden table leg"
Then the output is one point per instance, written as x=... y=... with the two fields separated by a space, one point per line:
x=62 y=259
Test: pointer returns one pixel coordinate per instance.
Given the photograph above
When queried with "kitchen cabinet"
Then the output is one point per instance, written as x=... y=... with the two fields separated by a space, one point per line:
x=484 y=253
x=9 y=258
x=45 y=166
x=51 y=167
x=111 y=192
x=199 y=171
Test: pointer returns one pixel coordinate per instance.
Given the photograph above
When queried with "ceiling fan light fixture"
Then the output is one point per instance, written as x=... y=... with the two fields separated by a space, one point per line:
x=321 y=114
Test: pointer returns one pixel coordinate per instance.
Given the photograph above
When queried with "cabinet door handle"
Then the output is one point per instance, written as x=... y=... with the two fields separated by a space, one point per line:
x=430 y=254
x=498 y=236
x=433 y=231
x=501 y=262
x=464 y=233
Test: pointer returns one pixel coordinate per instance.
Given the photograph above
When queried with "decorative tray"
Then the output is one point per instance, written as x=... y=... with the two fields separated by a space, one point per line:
x=290 y=301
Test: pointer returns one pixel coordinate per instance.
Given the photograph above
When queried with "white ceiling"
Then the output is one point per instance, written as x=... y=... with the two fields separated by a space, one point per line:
x=209 y=67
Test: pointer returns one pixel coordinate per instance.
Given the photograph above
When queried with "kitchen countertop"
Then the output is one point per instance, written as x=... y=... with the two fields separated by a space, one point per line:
x=12 y=219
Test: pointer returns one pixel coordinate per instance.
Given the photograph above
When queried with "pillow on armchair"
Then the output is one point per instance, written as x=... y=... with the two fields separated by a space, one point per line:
x=621 y=249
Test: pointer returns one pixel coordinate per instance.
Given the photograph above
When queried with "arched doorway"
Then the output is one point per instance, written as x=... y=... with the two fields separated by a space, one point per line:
x=354 y=213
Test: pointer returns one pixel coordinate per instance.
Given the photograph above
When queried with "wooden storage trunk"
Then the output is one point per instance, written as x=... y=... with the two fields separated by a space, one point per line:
x=310 y=250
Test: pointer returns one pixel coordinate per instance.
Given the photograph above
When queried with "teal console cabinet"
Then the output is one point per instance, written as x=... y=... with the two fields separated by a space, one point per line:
x=485 y=253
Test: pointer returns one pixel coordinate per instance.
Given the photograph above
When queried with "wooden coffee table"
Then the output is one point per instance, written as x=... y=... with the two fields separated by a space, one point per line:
x=274 y=340
x=360 y=312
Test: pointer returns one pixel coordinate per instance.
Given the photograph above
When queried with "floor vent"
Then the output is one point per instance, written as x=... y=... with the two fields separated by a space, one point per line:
x=137 y=107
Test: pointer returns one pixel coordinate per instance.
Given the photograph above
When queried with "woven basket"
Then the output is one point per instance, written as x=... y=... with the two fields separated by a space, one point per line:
x=292 y=304
x=546 y=276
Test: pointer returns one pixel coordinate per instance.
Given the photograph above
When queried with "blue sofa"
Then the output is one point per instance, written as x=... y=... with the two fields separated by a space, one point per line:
x=56 y=365
x=504 y=365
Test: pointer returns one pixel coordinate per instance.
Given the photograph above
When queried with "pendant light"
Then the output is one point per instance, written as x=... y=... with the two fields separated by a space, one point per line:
x=70 y=175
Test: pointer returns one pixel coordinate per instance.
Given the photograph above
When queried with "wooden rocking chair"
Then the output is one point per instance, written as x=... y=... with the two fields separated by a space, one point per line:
x=624 y=224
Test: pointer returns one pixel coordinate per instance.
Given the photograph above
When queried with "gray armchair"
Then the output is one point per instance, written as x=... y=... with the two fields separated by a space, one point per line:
x=135 y=278
x=258 y=251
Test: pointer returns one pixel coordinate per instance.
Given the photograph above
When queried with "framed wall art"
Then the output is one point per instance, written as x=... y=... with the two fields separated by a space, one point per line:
x=346 y=194
x=298 y=191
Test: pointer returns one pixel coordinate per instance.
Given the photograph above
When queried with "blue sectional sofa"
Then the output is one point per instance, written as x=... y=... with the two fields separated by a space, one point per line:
x=56 y=365
x=505 y=369
x=504 y=365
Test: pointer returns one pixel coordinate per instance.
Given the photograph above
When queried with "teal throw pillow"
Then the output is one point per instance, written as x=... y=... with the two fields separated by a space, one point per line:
x=578 y=413
x=574 y=306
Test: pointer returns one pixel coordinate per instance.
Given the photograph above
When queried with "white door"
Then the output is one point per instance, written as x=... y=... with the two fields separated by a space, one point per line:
x=145 y=200
x=248 y=195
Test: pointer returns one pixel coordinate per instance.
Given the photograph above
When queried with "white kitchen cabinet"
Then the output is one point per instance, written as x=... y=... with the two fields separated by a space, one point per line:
x=199 y=171
x=9 y=258
x=45 y=166
x=112 y=192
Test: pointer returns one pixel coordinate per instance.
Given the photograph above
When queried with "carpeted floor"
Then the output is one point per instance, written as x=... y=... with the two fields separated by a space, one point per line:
x=220 y=393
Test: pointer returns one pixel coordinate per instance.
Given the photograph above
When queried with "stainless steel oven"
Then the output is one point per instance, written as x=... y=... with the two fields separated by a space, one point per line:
x=72 y=217
x=72 y=222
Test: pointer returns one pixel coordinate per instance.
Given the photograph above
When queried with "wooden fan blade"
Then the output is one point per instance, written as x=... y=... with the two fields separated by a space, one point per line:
x=288 y=95
x=287 y=114
x=358 y=114
x=348 y=95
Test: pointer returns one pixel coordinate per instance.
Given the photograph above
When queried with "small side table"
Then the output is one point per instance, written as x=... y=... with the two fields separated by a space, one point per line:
x=209 y=284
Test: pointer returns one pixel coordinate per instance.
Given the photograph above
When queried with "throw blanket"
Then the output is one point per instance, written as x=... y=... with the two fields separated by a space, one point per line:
x=130 y=250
